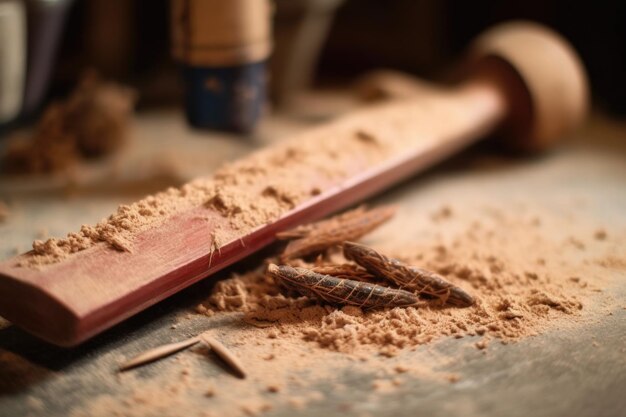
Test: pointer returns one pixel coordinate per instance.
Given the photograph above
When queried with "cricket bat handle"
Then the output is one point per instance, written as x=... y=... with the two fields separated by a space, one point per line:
x=524 y=82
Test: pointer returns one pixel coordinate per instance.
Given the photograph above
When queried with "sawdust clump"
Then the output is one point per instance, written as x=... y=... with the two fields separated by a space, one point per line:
x=92 y=122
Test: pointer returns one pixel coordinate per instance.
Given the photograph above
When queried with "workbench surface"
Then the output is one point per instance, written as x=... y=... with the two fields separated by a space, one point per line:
x=558 y=373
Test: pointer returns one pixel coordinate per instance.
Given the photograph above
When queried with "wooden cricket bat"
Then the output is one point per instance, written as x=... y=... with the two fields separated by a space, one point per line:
x=525 y=82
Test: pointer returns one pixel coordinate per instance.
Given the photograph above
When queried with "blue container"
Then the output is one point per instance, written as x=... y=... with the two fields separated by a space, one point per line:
x=222 y=46
x=225 y=98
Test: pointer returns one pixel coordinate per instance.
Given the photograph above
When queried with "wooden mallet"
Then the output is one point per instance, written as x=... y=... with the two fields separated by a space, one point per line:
x=524 y=81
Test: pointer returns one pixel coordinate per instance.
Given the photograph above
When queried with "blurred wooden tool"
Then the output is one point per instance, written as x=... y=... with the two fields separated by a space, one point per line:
x=524 y=80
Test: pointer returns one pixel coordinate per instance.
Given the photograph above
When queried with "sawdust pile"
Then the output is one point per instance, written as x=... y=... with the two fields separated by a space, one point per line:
x=255 y=190
x=516 y=296
x=92 y=122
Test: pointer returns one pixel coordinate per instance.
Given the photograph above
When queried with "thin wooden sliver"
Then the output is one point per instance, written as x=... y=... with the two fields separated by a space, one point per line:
x=158 y=353
x=226 y=355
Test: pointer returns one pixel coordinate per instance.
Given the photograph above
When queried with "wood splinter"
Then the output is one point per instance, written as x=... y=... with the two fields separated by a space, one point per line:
x=224 y=354
x=157 y=353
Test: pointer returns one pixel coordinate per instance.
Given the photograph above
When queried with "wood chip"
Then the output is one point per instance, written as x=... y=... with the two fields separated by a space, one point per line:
x=224 y=354
x=158 y=353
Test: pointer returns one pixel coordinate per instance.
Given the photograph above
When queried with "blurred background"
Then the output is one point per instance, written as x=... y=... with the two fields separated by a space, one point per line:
x=320 y=43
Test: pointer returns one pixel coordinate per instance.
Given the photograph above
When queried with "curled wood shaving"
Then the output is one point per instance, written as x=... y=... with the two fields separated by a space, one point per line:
x=317 y=237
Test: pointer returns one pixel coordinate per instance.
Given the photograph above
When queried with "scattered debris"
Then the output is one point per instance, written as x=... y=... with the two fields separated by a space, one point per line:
x=166 y=350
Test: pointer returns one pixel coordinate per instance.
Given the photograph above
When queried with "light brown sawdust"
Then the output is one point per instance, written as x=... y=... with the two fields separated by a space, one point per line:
x=93 y=121
x=250 y=192
x=516 y=298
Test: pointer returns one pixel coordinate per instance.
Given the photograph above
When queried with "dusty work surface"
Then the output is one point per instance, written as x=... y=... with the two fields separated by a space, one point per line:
x=558 y=218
